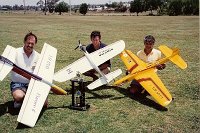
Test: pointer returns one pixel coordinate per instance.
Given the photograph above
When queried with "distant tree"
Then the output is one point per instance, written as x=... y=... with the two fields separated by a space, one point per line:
x=175 y=8
x=48 y=5
x=40 y=3
x=61 y=7
x=163 y=7
x=114 y=4
x=187 y=7
x=121 y=7
x=108 y=5
x=51 y=5
x=16 y=7
x=83 y=8
x=136 y=6
x=145 y=5
x=152 y=5
x=190 y=7
x=195 y=5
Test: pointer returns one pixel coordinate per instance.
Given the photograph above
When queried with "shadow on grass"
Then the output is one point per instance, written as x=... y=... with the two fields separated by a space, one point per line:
x=95 y=95
x=141 y=99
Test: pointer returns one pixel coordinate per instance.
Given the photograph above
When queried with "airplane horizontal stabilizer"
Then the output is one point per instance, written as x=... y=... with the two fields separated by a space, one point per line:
x=176 y=58
x=38 y=91
x=101 y=81
x=5 y=67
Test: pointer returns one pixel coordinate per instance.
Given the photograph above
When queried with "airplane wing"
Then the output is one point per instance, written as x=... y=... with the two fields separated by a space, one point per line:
x=132 y=62
x=82 y=65
x=154 y=86
x=38 y=91
x=5 y=68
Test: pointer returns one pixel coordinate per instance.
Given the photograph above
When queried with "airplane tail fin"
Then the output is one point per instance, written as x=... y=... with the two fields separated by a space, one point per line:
x=101 y=81
x=5 y=67
x=176 y=58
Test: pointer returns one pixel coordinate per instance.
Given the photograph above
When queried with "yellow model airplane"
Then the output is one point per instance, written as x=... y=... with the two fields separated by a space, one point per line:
x=146 y=75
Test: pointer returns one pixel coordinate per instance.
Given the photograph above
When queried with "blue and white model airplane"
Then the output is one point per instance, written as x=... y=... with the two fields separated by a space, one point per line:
x=92 y=61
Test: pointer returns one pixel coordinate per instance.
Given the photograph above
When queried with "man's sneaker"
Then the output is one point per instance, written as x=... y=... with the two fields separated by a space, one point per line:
x=17 y=105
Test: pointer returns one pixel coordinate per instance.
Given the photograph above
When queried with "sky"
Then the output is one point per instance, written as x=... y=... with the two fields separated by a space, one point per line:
x=73 y=2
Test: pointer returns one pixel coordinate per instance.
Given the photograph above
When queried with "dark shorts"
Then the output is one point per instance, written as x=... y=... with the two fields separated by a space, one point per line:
x=16 y=85
x=135 y=83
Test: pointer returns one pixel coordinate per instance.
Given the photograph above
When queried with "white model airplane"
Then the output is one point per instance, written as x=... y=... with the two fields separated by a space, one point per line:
x=92 y=61
x=6 y=65
x=39 y=87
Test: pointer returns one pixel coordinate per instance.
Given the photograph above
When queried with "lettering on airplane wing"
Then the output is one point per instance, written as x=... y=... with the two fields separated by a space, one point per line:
x=105 y=51
x=157 y=92
x=49 y=61
x=38 y=95
x=155 y=88
x=69 y=71
x=35 y=101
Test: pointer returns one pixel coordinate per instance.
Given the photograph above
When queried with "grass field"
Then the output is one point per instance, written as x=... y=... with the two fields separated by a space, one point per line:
x=112 y=109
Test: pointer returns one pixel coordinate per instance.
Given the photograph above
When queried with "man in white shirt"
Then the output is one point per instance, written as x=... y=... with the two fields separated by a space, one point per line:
x=148 y=55
x=26 y=58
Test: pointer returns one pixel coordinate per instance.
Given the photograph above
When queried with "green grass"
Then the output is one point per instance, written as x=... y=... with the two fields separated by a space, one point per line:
x=112 y=109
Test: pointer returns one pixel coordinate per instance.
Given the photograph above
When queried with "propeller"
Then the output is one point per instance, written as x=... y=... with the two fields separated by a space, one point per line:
x=82 y=47
x=79 y=43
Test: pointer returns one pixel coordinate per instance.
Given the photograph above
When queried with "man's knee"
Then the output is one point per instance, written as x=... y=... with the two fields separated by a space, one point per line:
x=106 y=70
x=18 y=95
x=135 y=87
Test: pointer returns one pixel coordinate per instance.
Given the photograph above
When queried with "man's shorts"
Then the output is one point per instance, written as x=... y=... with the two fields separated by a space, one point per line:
x=135 y=83
x=17 y=85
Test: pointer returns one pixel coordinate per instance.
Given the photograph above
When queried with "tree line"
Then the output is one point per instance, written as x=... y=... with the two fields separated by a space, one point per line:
x=163 y=7
x=168 y=7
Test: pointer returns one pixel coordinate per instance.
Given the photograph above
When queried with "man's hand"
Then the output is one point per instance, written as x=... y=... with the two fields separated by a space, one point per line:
x=127 y=72
x=103 y=66
x=161 y=66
